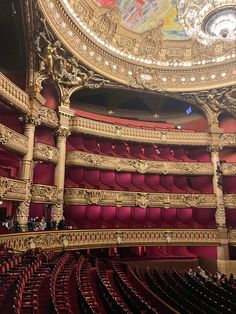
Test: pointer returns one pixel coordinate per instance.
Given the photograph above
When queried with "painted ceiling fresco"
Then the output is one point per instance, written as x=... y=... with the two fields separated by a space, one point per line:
x=143 y=15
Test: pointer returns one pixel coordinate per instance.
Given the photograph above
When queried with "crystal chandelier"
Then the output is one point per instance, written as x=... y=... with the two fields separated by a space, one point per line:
x=208 y=21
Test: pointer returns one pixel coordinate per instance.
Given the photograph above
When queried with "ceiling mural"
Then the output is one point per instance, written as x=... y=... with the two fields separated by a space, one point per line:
x=143 y=15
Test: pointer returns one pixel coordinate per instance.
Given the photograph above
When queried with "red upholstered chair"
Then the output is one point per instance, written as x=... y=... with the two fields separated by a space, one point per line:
x=229 y=185
x=202 y=183
x=77 y=175
x=108 y=216
x=91 y=145
x=150 y=152
x=124 y=180
x=138 y=181
x=182 y=183
x=205 y=217
x=231 y=217
x=200 y=154
x=109 y=179
x=167 y=153
x=185 y=215
x=124 y=216
x=92 y=214
x=135 y=151
x=167 y=182
x=139 y=216
x=153 y=181
x=169 y=215
x=154 y=216
x=120 y=149
x=76 y=141
x=180 y=153
x=75 y=215
x=106 y=147
x=92 y=176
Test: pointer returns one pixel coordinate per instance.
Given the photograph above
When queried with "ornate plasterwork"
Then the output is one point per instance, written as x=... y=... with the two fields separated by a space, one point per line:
x=229 y=168
x=46 y=194
x=109 y=130
x=48 y=117
x=13 y=140
x=121 y=198
x=12 y=189
x=230 y=200
x=99 y=238
x=135 y=165
x=173 y=61
x=13 y=94
x=46 y=152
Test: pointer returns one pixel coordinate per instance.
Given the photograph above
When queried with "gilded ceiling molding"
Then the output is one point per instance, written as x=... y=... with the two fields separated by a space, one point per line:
x=101 y=238
x=136 y=65
x=46 y=152
x=230 y=200
x=11 y=189
x=49 y=117
x=84 y=159
x=46 y=194
x=229 y=168
x=13 y=140
x=141 y=199
x=13 y=95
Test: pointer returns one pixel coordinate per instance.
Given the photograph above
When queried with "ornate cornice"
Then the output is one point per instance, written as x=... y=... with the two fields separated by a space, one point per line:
x=230 y=200
x=228 y=140
x=229 y=168
x=101 y=238
x=232 y=237
x=48 y=117
x=13 y=95
x=46 y=194
x=84 y=159
x=46 y=152
x=10 y=189
x=13 y=140
x=171 y=69
x=141 y=199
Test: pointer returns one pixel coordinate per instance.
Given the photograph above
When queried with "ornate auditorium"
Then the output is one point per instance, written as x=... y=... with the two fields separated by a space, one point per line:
x=117 y=156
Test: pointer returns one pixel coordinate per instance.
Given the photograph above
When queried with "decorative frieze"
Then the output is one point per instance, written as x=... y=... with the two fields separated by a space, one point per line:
x=12 y=189
x=13 y=140
x=230 y=200
x=229 y=168
x=99 y=238
x=46 y=194
x=123 y=198
x=46 y=152
x=84 y=159
x=13 y=94
x=48 y=117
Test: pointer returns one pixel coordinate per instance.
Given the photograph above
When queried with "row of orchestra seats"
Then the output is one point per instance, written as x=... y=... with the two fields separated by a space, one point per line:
x=137 y=150
x=95 y=216
x=127 y=181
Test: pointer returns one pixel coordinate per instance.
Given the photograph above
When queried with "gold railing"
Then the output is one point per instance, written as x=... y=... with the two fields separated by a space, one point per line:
x=109 y=130
x=11 y=189
x=49 y=117
x=46 y=152
x=13 y=94
x=13 y=140
x=79 y=158
x=141 y=199
x=229 y=169
x=101 y=238
x=46 y=194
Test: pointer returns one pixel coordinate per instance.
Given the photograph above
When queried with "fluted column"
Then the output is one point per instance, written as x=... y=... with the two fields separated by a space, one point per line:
x=62 y=133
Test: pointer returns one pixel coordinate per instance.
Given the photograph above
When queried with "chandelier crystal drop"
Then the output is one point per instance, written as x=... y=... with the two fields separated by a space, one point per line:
x=208 y=21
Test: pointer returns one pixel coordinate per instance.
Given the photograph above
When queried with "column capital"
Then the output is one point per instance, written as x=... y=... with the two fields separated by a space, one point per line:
x=32 y=118
x=214 y=148
x=62 y=132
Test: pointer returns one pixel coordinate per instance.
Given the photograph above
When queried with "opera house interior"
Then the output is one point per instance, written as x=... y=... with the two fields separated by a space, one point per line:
x=117 y=156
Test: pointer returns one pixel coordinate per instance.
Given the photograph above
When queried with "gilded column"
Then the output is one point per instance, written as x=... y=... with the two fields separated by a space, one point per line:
x=62 y=133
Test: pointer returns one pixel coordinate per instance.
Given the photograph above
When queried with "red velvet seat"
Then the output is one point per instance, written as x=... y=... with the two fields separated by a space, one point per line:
x=202 y=183
x=124 y=180
x=106 y=147
x=229 y=185
x=91 y=145
x=135 y=151
x=138 y=180
x=180 y=153
x=139 y=216
x=92 y=176
x=109 y=179
x=167 y=153
x=169 y=215
x=76 y=141
x=154 y=216
x=205 y=217
x=167 y=182
x=150 y=152
x=200 y=154
x=185 y=215
x=123 y=215
x=120 y=149
x=92 y=214
x=153 y=181
x=77 y=175
x=108 y=215
x=182 y=183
